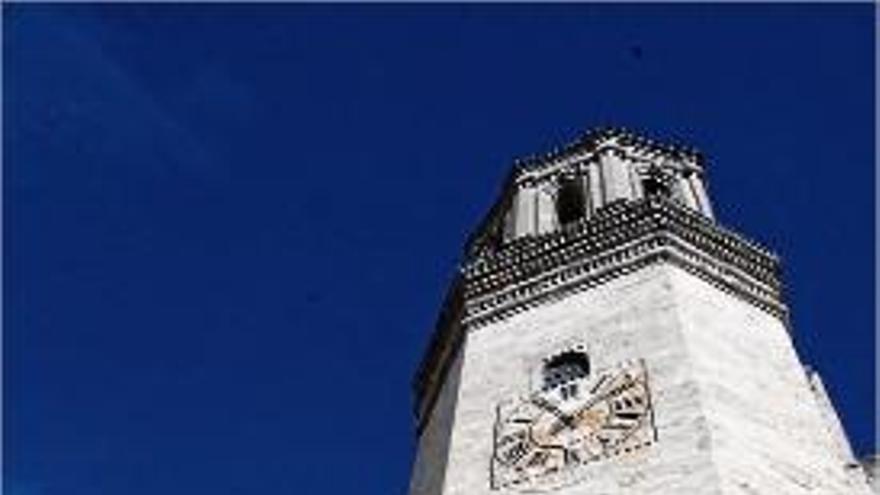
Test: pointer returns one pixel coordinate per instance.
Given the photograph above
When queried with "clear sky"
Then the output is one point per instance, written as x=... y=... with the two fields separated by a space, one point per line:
x=228 y=228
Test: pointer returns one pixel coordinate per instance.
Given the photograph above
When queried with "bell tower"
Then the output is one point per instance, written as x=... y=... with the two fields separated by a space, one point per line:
x=605 y=335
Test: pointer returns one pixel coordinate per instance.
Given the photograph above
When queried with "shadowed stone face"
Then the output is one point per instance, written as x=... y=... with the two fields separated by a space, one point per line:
x=871 y=466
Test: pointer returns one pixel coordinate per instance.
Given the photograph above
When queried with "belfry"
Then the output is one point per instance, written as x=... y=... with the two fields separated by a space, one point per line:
x=605 y=335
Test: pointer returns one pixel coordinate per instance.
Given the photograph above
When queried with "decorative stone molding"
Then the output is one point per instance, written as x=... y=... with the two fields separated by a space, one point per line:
x=623 y=238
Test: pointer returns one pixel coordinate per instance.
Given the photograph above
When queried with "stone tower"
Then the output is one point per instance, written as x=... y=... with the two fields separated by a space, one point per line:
x=606 y=336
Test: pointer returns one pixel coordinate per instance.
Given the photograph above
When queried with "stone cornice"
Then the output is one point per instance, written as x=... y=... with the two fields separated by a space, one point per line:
x=617 y=136
x=622 y=238
x=596 y=270
x=612 y=226
x=579 y=162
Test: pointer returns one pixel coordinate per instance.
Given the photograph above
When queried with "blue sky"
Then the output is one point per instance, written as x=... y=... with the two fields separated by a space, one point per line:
x=228 y=228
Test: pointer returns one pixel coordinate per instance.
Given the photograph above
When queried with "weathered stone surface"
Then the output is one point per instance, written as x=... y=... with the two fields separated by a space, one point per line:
x=631 y=317
x=734 y=412
x=871 y=467
x=769 y=434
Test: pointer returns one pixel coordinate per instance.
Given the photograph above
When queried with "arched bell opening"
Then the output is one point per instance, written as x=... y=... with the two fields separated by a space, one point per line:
x=654 y=186
x=570 y=202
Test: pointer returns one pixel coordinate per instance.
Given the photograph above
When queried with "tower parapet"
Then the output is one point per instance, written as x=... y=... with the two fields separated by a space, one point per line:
x=551 y=192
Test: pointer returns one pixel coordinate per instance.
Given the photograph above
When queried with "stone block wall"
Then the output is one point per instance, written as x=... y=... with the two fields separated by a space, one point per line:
x=734 y=412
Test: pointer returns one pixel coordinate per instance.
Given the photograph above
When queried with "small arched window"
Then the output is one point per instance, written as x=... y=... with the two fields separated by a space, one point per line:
x=570 y=204
x=564 y=368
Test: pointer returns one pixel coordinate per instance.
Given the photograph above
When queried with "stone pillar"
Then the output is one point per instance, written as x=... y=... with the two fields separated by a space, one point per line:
x=509 y=227
x=635 y=182
x=547 y=221
x=699 y=190
x=524 y=218
x=688 y=197
x=597 y=198
x=615 y=177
